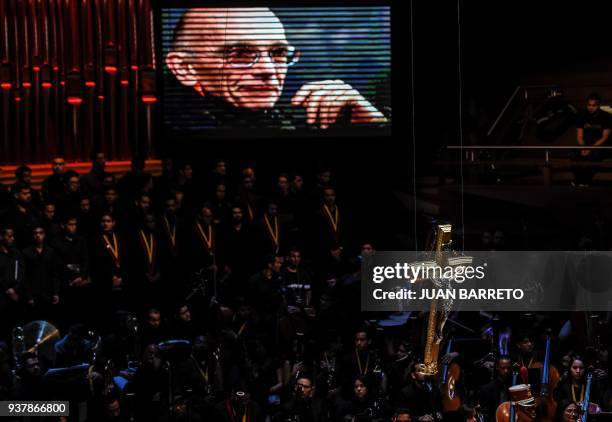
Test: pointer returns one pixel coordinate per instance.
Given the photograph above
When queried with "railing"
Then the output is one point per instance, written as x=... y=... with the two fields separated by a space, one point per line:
x=545 y=148
x=525 y=89
x=546 y=165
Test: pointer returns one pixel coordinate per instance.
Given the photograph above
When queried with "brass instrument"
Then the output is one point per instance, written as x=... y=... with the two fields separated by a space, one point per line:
x=437 y=313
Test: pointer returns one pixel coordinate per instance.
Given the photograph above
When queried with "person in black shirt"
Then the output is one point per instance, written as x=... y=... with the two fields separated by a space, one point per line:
x=11 y=281
x=73 y=194
x=304 y=406
x=21 y=216
x=41 y=283
x=296 y=281
x=72 y=254
x=145 y=264
x=593 y=129
x=54 y=186
x=92 y=182
x=85 y=217
x=495 y=392
x=421 y=396
x=154 y=330
x=239 y=244
x=48 y=221
x=109 y=262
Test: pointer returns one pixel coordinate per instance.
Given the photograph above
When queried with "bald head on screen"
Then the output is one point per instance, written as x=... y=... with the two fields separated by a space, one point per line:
x=237 y=54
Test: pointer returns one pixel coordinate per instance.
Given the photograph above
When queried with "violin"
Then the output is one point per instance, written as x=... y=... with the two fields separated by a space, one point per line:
x=449 y=377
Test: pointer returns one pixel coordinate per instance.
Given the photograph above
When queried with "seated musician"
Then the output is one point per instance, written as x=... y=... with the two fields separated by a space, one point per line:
x=573 y=388
x=421 y=396
x=361 y=403
x=495 y=392
x=527 y=358
x=567 y=411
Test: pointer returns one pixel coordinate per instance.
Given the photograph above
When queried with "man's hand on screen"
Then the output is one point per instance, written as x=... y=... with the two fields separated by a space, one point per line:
x=325 y=100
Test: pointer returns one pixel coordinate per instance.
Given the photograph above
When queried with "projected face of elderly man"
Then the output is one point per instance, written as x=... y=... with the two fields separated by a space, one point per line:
x=241 y=55
x=238 y=55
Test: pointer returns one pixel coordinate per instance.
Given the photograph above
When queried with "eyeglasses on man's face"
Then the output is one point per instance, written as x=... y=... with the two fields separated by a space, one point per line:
x=243 y=56
x=246 y=56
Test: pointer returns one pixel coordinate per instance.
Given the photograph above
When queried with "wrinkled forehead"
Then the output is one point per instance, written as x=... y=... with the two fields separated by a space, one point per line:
x=212 y=27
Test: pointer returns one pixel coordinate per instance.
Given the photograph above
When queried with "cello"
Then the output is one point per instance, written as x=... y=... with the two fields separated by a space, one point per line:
x=507 y=411
x=549 y=379
x=450 y=374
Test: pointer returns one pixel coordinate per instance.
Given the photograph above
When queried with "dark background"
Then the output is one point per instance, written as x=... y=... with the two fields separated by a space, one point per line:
x=503 y=43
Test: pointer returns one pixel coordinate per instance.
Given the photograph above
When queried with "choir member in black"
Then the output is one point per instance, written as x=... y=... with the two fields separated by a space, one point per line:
x=88 y=225
x=72 y=197
x=5 y=196
x=271 y=232
x=265 y=291
x=54 y=186
x=41 y=281
x=170 y=227
x=494 y=393
x=73 y=266
x=219 y=173
x=133 y=182
x=171 y=237
x=23 y=174
x=220 y=205
x=138 y=210
x=145 y=266
x=324 y=180
x=361 y=404
x=107 y=203
x=574 y=386
x=283 y=197
x=49 y=222
x=203 y=245
x=11 y=282
x=185 y=182
x=248 y=199
x=21 y=215
x=163 y=183
x=239 y=244
x=303 y=405
x=421 y=396
x=93 y=182
x=109 y=262
x=299 y=202
x=238 y=408
x=330 y=225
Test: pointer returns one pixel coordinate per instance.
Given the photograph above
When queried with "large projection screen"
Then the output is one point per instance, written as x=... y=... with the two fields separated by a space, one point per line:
x=250 y=71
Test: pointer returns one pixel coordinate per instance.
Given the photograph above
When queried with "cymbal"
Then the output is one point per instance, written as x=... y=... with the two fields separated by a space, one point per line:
x=40 y=336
